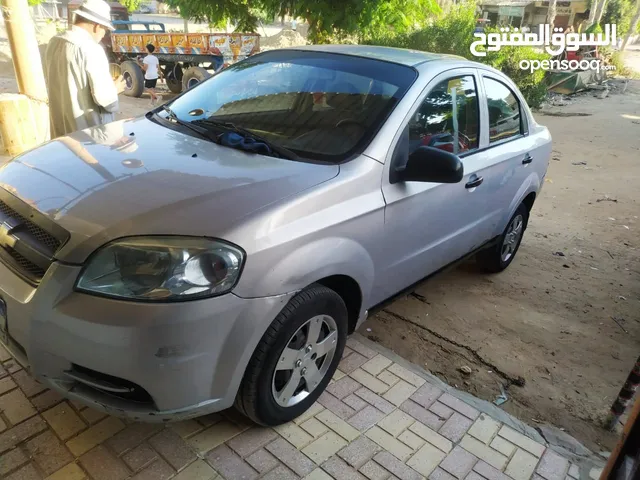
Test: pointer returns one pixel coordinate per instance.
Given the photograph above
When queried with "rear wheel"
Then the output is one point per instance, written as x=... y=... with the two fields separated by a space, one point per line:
x=499 y=257
x=133 y=77
x=193 y=76
x=296 y=358
x=173 y=76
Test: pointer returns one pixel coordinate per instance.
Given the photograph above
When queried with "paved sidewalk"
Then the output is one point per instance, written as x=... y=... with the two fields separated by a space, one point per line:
x=379 y=419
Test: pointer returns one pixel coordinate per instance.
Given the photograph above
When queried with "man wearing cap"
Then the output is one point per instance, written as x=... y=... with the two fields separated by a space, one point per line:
x=82 y=92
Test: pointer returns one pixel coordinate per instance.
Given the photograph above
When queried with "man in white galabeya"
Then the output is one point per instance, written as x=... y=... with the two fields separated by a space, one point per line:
x=82 y=93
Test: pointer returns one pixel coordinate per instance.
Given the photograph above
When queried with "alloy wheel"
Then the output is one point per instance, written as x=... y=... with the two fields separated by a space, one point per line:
x=512 y=238
x=305 y=360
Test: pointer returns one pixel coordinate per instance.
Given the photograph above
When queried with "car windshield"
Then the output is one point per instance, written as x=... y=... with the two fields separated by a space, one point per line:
x=322 y=106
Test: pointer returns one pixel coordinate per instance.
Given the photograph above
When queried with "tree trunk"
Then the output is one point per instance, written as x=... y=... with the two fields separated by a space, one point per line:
x=186 y=25
x=592 y=12
x=600 y=12
x=632 y=28
x=29 y=72
x=551 y=13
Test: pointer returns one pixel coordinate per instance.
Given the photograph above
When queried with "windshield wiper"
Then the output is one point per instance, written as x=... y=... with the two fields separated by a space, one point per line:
x=283 y=152
x=203 y=132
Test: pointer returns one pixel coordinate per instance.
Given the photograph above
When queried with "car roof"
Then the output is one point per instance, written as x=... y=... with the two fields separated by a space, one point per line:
x=402 y=56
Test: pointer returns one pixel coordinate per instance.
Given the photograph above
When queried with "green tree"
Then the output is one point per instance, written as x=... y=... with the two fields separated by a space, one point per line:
x=217 y=13
x=132 y=5
x=327 y=18
x=397 y=16
x=619 y=12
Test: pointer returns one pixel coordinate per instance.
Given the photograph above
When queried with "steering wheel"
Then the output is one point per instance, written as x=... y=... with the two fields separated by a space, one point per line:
x=352 y=121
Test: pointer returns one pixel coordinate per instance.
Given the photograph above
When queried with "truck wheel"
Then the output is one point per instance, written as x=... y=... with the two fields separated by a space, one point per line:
x=500 y=256
x=134 y=78
x=193 y=76
x=296 y=358
x=173 y=76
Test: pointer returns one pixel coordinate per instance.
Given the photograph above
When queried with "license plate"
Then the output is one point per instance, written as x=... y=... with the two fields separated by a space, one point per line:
x=4 y=328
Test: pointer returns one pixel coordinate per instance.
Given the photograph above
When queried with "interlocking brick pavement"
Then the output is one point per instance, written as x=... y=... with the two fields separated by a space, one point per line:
x=378 y=420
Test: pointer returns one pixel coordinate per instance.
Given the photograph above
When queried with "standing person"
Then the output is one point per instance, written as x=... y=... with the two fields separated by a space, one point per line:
x=82 y=93
x=151 y=67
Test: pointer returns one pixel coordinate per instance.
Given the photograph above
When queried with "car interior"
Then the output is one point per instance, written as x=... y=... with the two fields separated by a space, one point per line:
x=326 y=116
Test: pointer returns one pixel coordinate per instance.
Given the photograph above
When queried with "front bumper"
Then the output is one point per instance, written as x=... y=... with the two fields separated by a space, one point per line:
x=187 y=357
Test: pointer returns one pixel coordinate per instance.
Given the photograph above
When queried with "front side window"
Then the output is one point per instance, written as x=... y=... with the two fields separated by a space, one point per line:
x=504 y=111
x=319 y=105
x=447 y=118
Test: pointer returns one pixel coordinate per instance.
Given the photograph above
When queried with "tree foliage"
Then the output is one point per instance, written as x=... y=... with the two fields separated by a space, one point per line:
x=132 y=5
x=218 y=13
x=326 y=18
x=620 y=13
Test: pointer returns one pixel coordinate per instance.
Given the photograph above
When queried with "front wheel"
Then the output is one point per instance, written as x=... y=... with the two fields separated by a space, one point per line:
x=296 y=358
x=498 y=258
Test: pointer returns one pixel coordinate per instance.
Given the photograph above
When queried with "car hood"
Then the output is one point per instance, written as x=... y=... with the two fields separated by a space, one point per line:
x=139 y=178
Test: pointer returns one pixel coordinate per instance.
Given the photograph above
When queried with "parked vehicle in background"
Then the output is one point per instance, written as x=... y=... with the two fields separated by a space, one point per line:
x=219 y=250
x=185 y=59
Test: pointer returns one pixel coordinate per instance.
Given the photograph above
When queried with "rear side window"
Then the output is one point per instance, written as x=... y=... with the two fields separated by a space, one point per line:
x=447 y=118
x=505 y=113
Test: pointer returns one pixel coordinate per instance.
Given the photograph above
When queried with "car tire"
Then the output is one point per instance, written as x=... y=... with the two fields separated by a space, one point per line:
x=497 y=258
x=193 y=76
x=267 y=394
x=134 y=79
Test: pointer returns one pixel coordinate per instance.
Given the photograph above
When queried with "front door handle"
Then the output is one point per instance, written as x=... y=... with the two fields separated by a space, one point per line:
x=527 y=159
x=474 y=183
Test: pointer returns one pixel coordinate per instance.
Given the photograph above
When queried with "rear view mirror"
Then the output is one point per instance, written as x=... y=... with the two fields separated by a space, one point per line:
x=428 y=164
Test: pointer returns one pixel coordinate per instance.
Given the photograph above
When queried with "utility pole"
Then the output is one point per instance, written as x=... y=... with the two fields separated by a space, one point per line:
x=29 y=111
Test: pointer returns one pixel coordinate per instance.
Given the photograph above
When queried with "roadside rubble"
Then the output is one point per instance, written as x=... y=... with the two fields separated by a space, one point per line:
x=610 y=86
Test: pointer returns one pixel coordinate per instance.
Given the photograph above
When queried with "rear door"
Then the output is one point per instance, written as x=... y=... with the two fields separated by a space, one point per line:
x=509 y=149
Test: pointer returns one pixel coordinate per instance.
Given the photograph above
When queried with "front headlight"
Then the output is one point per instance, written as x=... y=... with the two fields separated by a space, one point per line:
x=162 y=269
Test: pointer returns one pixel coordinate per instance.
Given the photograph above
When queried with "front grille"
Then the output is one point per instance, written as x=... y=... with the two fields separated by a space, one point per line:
x=28 y=239
x=40 y=234
x=27 y=265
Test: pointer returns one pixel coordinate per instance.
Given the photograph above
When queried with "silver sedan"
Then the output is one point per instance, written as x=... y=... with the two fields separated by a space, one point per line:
x=219 y=249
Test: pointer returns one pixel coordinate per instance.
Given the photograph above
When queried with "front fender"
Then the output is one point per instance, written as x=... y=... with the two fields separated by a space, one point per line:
x=312 y=262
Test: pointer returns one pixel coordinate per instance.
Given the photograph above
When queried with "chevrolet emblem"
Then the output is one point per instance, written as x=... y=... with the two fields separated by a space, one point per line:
x=6 y=237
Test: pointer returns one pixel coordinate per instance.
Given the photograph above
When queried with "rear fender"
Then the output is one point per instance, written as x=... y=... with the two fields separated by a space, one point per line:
x=530 y=185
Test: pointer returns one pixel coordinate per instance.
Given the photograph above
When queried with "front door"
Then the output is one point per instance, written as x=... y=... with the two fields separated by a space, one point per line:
x=429 y=225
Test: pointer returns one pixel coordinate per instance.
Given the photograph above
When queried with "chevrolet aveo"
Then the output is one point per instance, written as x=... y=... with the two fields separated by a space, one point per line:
x=219 y=250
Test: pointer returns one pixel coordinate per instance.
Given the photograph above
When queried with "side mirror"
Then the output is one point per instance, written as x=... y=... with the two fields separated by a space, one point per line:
x=428 y=164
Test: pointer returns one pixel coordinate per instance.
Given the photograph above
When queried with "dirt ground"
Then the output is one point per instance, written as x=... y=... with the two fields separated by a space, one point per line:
x=565 y=317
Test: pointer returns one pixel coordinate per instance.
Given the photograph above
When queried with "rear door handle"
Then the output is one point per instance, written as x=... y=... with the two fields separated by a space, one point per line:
x=527 y=159
x=474 y=183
